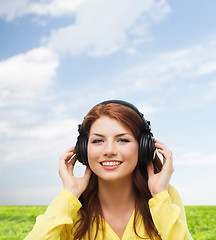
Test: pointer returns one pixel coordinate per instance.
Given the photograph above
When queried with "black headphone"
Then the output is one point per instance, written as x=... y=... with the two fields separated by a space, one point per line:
x=147 y=149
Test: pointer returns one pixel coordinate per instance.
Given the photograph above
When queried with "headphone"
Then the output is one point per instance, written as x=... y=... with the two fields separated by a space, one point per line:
x=147 y=149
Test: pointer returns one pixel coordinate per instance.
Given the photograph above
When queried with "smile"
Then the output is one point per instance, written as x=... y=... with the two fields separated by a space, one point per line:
x=110 y=163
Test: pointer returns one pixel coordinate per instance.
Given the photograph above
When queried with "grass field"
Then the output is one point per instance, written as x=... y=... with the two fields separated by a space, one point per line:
x=17 y=221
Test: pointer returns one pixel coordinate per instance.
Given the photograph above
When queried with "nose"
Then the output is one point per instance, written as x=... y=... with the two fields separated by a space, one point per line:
x=110 y=149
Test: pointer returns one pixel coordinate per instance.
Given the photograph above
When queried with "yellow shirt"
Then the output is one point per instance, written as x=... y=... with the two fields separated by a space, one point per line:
x=166 y=209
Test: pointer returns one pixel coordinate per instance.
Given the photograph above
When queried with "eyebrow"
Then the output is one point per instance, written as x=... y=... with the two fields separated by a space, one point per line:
x=118 y=135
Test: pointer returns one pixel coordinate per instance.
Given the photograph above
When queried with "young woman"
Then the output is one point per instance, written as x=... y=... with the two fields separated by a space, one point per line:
x=125 y=191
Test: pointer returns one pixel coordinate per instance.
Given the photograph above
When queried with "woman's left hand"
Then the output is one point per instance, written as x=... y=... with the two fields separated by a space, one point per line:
x=159 y=182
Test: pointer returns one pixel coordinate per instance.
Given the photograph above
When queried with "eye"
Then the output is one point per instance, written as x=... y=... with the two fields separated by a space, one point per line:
x=97 y=141
x=123 y=140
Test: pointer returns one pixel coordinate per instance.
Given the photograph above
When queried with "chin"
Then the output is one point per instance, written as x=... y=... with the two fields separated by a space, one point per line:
x=115 y=178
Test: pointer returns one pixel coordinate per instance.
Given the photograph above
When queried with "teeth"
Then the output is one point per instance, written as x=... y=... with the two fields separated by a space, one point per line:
x=110 y=163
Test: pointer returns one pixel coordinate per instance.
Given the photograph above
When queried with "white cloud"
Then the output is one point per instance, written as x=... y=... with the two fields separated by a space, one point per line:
x=171 y=68
x=146 y=108
x=165 y=76
x=213 y=84
x=197 y=192
x=132 y=50
x=103 y=27
x=30 y=196
x=196 y=158
x=11 y=9
x=55 y=129
x=55 y=7
x=25 y=77
x=41 y=195
x=50 y=138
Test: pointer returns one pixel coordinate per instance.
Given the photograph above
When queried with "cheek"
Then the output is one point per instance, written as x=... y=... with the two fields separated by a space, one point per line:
x=92 y=153
x=93 y=157
x=132 y=153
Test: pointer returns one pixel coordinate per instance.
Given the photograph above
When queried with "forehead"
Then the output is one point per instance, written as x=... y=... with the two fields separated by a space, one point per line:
x=108 y=125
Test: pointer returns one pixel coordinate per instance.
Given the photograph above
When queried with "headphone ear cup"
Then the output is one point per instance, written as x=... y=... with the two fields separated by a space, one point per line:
x=146 y=148
x=81 y=149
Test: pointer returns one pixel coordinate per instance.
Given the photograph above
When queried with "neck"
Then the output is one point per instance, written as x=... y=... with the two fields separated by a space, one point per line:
x=116 y=195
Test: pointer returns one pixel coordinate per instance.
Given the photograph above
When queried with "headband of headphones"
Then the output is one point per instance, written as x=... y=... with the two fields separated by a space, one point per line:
x=147 y=124
x=131 y=106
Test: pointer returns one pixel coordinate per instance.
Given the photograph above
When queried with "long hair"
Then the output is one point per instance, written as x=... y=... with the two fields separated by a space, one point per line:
x=91 y=211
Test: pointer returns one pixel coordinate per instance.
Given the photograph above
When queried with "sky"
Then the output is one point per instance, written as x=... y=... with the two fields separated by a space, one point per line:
x=59 y=58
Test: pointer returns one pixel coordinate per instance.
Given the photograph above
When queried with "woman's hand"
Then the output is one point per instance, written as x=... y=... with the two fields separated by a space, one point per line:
x=76 y=185
x=159 y=182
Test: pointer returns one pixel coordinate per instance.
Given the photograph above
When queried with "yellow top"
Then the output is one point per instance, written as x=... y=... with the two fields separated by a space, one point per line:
x=166 y=209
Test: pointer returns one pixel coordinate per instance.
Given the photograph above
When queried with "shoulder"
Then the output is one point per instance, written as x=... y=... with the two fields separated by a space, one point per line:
x=172 y=190
x=67 y=201
x=174 y=195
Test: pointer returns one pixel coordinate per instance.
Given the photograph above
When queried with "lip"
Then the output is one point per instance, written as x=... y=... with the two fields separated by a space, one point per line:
x=111 y=167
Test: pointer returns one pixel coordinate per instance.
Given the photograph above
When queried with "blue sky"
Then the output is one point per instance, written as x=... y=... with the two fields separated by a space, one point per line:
x=58 y=58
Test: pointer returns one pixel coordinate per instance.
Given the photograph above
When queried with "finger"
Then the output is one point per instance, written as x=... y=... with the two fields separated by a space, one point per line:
x=71 y=163
x=72 y=159
x=167 y=157
x=63 y=171
x=69 y=151
x=167 y=162
x=160 y=145
x=166 y=153
x=66 y=156
x=150 y=169
x=63 y=162
x=87 y=174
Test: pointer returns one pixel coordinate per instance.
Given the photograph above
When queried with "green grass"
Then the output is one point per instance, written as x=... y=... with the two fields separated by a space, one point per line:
x=17 y=221
x=201 y=222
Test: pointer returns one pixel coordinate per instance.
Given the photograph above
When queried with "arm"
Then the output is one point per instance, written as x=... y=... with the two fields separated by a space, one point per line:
x=58 y=219
x=62 y=213
x=168 y=215
x=166 y=206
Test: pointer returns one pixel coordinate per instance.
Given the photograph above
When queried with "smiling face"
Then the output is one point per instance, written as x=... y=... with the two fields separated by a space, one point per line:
x=112 y=149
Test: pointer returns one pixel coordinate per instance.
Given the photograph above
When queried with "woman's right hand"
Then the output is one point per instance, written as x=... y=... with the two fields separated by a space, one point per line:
x=76 y=185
